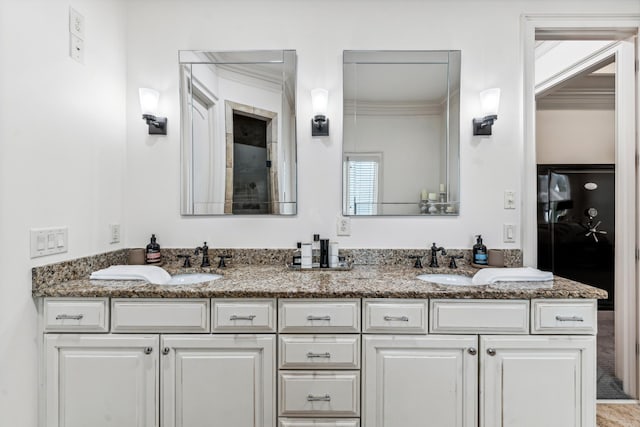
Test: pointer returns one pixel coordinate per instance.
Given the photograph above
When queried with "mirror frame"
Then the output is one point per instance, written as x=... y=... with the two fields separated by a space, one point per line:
x=288 y=59
x=452 y=58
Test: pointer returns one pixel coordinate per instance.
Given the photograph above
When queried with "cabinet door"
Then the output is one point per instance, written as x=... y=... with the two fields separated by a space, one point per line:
x=537 y=381
x=101 y=380
x=214 y=380
x=420 y=381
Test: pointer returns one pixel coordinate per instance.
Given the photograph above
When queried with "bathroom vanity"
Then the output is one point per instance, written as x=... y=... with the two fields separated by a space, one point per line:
x=267 y=347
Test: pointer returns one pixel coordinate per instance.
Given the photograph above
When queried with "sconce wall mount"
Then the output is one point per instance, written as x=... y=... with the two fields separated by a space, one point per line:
x=489 y=101
x=320 y=122
x=149 y=105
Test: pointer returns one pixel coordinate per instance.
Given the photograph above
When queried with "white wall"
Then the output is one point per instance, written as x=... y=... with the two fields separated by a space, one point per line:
x=488 y=33
x=575 y=136
x=62 y=148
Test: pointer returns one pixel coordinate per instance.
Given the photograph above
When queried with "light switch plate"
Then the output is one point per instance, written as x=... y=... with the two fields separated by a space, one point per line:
x=76 y=48
x=509 y=233
x=509 y=199
x=114 y=232
x=49 y=241
x=76 y=23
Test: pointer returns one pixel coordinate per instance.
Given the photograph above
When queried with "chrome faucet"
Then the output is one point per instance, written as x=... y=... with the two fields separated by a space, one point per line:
x=205 y=254
x=434 y=255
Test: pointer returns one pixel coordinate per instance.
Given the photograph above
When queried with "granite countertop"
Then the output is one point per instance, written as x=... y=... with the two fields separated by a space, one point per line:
x=363 y=281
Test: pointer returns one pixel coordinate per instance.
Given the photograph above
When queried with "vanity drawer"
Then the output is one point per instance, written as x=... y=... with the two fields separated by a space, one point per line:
x=153 y=315
x=319 y=422
x=479 y=316
x=319 y=351
x=320 y=393
x=243 y=315
x=310 y=316
x=395 y=316
x=564 y=317
x=76 y=315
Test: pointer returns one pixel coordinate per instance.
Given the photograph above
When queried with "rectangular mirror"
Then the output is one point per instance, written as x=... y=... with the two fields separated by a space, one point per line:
x=401 y=140
x=238 y=132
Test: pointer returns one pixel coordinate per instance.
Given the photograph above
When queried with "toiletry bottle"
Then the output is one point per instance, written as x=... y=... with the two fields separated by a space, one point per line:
x=479 y=252
x=324 y=253
x=153 y=255
x=333 y=254
x=297 y=256
x=305 y=260
x=315 y=254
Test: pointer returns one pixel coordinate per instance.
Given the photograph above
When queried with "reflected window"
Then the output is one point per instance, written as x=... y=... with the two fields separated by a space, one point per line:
x=362 y=190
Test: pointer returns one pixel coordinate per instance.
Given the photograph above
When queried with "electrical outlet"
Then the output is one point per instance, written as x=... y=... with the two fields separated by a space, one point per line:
x=509 y=199
x=115 y=233
x=76 y=23
x=76 y=48
x=344 y=226
x=48 y=241
x=509 y=233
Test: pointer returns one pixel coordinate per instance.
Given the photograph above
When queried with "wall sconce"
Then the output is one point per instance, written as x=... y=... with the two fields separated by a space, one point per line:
x=320 y=122
x=489 y=102
x=149 y=106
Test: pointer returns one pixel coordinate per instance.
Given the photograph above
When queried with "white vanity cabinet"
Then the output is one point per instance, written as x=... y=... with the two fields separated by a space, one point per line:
x=533 y=381
x=483 y=351
x=218 y=380
x=144 y=374
x=346 y=362
x=101 y=380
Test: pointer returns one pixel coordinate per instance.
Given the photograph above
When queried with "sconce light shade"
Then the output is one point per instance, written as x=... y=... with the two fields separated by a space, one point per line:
x=320 y=122
x=489 y=102
x=149 y=105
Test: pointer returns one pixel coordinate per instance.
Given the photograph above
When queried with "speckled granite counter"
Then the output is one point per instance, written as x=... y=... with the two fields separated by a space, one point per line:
x=363 y=281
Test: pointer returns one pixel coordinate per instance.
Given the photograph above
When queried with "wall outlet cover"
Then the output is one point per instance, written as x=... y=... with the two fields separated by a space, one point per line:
x=344 y=226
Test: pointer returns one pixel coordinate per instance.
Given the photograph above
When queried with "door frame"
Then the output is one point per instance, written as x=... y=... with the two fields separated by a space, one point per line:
x=602 y=27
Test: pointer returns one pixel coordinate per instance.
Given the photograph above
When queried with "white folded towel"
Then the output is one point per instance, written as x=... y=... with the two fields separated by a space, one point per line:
x=150 y=273
x=487 y=276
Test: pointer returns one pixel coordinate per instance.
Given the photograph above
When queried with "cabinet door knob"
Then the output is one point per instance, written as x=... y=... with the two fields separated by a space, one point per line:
x=148 y=350
x=472 y=351
x=165 y=351
x=491 y=351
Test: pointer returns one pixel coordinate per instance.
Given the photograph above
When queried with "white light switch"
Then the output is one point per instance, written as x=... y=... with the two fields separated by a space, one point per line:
x=509 y=233
x=48 y=241
x=114 y=230
x=76 y=23
x=509 y=199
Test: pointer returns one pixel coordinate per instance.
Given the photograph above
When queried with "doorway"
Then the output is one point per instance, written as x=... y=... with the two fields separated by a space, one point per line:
x=619 y=35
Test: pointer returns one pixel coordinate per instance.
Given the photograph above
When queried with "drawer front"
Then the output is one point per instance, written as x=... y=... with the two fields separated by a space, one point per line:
x=319 y=352
x=318 y=422
x=320 y=393
x=243 y=315
x=76 y=315
x=184 y=315
x=479 y=316
x=324 y=316
x=397 y=317
x=564 y=317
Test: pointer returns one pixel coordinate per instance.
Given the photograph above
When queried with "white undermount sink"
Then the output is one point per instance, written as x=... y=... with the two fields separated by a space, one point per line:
x=193 y=278
x=447 y=279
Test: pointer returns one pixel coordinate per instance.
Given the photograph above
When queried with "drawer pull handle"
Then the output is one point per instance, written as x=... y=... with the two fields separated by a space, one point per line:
x=398 y=318
x=569 y=319
x=327 y=318
x=249 y=317
x=69 y=316
x=326 y=355
x=312 y=398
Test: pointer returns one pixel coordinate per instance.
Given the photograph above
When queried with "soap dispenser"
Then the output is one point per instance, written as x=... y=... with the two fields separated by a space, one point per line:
x=479 y=252
x=152 y=254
